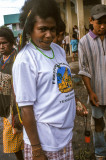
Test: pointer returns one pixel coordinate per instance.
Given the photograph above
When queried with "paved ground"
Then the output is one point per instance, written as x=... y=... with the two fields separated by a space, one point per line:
x=79 y=145
x=82 y=151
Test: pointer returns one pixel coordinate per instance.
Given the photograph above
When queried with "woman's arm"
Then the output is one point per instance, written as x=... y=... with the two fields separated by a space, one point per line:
x=29 y=123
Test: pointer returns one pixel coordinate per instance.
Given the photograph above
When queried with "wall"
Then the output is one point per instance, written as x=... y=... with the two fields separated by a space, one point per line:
x=74 y=17
x=17 y=27
x=86 y=16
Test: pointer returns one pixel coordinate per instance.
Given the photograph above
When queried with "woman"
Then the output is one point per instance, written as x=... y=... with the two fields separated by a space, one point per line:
x=12 y=143
x=43 y=86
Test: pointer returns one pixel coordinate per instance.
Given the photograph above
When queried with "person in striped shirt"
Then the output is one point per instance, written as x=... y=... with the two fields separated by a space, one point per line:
x=92 y=66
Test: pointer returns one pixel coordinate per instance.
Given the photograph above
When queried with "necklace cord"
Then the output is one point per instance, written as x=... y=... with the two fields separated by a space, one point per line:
x=42 y=52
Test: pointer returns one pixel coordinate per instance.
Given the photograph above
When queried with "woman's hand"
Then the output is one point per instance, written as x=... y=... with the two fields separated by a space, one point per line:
x=38 y=153
x=42 y=157
x=81 y=110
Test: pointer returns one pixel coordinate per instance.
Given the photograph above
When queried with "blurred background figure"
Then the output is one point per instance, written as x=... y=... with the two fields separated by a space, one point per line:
x=12 y=141
x=74 y=43
x=18 y=40
x=76 y=31
x=66 y=39
x=60 y=33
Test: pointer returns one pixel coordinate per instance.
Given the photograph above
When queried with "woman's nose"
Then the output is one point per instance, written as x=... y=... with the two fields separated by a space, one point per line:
x=1 y=45
x=48 y=33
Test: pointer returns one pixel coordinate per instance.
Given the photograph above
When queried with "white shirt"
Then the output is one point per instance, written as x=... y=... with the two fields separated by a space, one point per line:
x=46 y=84
x=67 y=39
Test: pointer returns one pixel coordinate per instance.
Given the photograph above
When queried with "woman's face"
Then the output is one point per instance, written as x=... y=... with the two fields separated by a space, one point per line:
x=5 y=46
x=44 y=32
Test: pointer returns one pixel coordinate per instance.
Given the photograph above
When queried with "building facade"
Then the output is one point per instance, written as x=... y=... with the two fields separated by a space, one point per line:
x=77 y=12
x=12 y=21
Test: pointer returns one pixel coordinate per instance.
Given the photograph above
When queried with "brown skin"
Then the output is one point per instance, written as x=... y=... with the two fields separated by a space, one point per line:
x=31 y=129
x=44 y=32
x=5 y=46
x=99 y=123
x=19 y=155
x=99 y=28
x=93 y=97
x=58 y=39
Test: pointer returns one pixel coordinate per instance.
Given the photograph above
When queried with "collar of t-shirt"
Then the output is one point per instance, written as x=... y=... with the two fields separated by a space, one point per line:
x=92 y=34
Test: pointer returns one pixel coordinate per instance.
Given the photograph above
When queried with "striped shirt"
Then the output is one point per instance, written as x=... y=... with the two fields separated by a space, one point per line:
x=92 y=63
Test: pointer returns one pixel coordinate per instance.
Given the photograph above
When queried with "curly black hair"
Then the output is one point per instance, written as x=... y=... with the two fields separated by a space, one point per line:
x=74 y=35
x=41 y=8
x=8 y=34
x=61 y=27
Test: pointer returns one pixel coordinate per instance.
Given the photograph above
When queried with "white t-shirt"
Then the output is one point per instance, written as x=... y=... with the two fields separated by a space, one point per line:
x=67 y=39
x=46 y=84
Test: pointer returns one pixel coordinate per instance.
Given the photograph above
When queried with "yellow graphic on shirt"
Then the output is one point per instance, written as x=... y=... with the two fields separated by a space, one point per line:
x=64 y=80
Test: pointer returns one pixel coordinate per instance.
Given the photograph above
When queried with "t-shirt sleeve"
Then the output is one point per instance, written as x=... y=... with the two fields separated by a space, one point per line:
x=83 y=61
x=64 y=53
x=24 y=83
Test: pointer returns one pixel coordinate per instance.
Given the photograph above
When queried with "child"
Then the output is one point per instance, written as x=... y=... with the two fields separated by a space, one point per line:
x=74 y=43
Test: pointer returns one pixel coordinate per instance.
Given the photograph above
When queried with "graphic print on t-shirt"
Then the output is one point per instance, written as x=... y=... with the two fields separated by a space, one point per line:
x=64 y=80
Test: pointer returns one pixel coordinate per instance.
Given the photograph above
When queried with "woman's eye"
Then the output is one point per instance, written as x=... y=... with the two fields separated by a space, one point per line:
x=43 y=29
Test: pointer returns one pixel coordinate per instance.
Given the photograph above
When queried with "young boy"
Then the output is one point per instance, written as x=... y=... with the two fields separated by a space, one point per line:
x=92 y=64
x=74 y=43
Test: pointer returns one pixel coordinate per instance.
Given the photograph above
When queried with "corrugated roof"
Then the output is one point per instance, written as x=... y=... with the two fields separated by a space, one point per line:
x=11 y=18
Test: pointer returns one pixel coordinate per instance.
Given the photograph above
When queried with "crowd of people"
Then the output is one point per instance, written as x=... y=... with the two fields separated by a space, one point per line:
x=67 y=41
x=37 y=99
